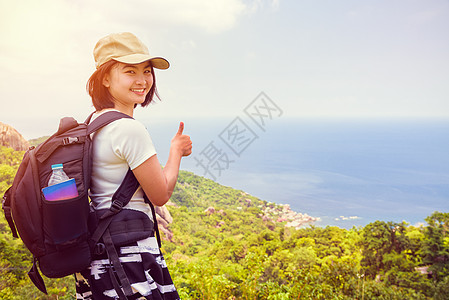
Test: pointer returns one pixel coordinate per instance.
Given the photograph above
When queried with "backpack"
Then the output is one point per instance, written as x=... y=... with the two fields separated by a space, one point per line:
x=64 y=235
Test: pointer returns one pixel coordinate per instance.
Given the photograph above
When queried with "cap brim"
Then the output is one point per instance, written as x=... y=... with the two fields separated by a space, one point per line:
x=156 y=62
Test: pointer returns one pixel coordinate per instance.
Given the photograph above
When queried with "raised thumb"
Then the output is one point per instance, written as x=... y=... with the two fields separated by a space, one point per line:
x=181 y=128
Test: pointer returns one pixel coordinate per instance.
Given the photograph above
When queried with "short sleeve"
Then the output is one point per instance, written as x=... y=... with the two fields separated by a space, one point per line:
x=132 y=142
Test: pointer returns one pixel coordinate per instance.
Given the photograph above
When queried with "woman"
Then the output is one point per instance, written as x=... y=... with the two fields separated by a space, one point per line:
x=124 y=79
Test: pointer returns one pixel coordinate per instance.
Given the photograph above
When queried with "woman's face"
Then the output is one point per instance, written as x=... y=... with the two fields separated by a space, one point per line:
x=129 y=84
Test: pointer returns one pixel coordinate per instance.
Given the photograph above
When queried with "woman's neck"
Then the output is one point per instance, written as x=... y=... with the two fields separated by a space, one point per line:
x=128 y=110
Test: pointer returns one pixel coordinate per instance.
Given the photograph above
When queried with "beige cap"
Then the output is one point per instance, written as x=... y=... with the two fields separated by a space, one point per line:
x=125 y=47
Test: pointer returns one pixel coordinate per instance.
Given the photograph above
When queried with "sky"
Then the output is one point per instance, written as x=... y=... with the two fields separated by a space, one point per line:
x=314 y=59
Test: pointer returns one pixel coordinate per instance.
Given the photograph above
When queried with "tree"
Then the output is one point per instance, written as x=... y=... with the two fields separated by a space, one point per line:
x=379 y=239
x=435 y=250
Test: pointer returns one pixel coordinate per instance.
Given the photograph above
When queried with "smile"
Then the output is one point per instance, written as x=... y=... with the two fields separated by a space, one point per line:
x=138 y=90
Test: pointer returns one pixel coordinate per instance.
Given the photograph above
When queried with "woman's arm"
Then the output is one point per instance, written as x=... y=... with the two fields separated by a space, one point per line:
x=157 y=183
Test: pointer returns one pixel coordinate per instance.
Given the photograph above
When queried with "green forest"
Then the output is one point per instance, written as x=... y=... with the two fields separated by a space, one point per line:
x=237 y=251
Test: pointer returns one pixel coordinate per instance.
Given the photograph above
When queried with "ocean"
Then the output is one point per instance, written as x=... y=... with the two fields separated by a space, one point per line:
x=345 y=172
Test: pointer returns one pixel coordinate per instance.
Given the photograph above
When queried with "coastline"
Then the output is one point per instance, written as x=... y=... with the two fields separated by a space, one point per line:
x=280 y=213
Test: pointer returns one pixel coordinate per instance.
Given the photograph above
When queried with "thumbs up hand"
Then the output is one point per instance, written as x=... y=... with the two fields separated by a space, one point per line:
x=181 y=143
x=181 y=128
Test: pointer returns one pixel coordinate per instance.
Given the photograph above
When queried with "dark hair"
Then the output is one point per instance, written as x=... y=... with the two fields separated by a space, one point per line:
x=101 y=98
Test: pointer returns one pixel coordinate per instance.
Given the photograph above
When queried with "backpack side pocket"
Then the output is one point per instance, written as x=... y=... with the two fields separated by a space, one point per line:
x=65 y=221
x=66 y=236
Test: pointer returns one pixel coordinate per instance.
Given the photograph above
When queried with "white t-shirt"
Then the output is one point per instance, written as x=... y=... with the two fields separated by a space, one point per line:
x=118 y=146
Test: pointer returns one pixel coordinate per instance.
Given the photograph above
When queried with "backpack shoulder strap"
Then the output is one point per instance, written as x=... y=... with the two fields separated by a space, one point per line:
x=69 y=123
x=36 y=277
x=120 y=198
x=6 y=205
x=156 y=227
x=103 y=120
x=123 y=194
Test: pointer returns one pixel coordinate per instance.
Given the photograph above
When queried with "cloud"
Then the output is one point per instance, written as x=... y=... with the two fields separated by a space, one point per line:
x=211 y=16
x=28 y=26
x=43 y=36
x=256 y=5
x=29 y=23
x=51 y=30
x=343 y=218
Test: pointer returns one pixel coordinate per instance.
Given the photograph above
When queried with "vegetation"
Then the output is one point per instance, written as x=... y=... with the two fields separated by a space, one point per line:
x=234 y=251
x=35 y=142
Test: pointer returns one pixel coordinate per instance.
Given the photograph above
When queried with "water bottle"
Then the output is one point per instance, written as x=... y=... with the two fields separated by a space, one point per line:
x=58 y=175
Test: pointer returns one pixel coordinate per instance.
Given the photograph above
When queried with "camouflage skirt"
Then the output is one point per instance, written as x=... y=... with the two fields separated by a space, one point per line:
x=144 y=266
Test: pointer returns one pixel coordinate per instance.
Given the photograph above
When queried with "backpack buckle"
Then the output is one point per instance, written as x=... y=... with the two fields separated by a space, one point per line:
x=69 y=140
x=116 y=206
x=99 y=249
x=5 y=203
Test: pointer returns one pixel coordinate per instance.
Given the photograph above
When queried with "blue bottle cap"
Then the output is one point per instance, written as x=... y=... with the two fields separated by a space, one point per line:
x=57 y=166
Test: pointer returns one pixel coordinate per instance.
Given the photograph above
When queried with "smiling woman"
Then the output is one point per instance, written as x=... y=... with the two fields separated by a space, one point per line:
x=123 y=80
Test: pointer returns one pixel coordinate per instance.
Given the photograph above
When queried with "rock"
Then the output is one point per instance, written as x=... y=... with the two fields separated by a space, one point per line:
x=10 y=137
x=266 y=219
x=284 y=213
x=221 y=212
x=164 y=218
x=220 y=224
x=169 y=203
x=161 y=221
x=167 y=233
x=210 y=210
x=164 y=213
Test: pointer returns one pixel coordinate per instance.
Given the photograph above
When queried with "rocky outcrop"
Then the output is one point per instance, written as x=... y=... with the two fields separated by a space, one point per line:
x=9 y=137
x=210 y=210
x=164 y=218
x=272 y=213
x=283 y=213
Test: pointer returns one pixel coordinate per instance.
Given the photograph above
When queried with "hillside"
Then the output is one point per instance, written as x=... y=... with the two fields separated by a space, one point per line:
x=201 y=194
x=227 y=244
x=37 y=141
